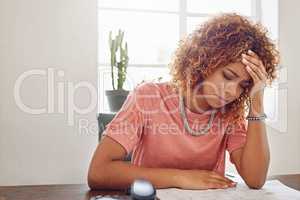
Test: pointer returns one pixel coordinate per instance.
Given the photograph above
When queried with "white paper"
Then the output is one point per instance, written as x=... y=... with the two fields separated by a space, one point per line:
x=272 y=190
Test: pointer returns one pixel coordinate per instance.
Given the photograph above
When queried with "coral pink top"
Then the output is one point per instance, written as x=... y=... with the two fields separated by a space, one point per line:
x=149 y=125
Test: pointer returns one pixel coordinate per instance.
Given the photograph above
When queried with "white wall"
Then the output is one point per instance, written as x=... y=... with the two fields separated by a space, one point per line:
x=285 y=148
x=62 y=34
x=35 y=34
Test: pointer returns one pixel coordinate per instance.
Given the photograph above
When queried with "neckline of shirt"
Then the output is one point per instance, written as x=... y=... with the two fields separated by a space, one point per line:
x=190 y=113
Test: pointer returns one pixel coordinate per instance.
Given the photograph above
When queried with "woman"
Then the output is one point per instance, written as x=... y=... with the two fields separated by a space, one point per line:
x=178 y=131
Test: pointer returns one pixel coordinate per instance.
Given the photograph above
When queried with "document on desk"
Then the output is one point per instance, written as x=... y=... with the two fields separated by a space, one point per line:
x=272 y=190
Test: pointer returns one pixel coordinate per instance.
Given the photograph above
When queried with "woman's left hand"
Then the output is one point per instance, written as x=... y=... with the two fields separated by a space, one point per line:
x=257 y=71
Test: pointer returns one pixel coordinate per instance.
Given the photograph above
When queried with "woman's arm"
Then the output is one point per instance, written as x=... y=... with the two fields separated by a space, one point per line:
x=252 y=161
x=108 y=171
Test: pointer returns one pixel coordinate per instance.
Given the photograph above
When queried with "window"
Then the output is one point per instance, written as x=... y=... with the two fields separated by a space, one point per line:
x=275 y=96
x=152 y=30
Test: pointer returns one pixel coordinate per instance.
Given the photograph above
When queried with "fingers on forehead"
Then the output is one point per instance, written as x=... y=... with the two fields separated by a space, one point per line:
x=252 y=53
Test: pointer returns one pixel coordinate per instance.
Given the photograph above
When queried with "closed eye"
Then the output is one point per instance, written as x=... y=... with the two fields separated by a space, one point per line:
x=226 y=76
x=244 y=85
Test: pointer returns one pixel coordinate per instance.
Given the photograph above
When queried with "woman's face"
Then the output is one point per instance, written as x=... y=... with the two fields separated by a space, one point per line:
x=225 y=84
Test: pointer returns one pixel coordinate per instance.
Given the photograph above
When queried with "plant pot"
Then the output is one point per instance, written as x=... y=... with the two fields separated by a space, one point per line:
x=116 y=99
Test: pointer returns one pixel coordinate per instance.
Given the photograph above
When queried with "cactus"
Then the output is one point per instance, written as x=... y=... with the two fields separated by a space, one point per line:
x=116 y=46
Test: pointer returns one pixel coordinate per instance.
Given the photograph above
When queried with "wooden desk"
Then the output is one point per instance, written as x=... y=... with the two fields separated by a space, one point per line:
x=82 y=192
x=51 y=192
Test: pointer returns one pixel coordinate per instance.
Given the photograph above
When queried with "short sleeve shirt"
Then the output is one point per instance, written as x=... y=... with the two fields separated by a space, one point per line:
x=150 y=127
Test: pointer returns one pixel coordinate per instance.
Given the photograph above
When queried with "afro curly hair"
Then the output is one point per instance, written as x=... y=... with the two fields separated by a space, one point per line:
x=218 y=42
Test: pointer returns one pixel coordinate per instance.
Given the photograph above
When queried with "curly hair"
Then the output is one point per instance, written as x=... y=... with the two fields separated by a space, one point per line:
x=216 y=43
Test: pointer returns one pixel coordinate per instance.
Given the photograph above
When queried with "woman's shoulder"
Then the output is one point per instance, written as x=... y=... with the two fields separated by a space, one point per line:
x=152 y=94
x=155 y=88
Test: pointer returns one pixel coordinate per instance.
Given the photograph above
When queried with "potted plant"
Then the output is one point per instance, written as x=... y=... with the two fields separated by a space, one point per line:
x=118 y=60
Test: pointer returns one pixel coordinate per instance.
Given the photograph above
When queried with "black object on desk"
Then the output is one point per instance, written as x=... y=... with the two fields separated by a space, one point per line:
x=140 y=189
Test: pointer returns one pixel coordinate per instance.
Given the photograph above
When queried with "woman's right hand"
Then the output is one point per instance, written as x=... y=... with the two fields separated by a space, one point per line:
x=202 y=179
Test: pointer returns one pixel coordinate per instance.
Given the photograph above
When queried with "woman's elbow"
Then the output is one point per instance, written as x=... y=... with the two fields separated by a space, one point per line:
x=91 y=182
x=255 y=180
x=95 y=182
x=255 y=184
